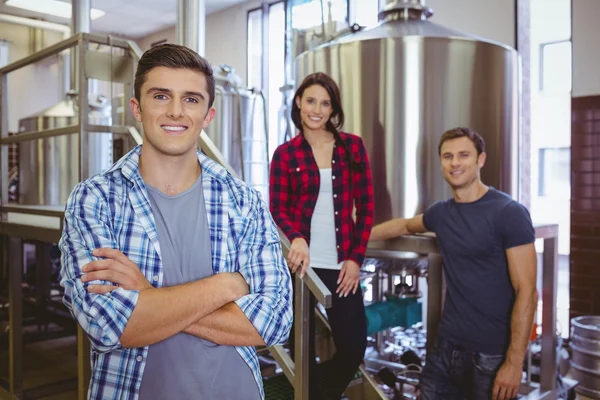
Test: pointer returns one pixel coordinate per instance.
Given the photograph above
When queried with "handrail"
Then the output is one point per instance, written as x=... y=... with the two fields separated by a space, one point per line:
x=135 y=49
x=137 y=137
x=65 y=44
x=43 y=134
x=311 y=279
x=40 y=55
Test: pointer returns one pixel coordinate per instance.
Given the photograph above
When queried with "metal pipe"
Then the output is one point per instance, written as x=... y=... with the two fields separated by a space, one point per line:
x=80 y=17
x=51 y=26
x=301 y=333
x=80 y=23
x=64 y=29
x=191 y=24
x=60 y=46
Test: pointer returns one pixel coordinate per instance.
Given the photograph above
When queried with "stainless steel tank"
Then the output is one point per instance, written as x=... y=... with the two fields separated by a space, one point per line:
x=239 y=129
x=406 y=81
x=49 y=168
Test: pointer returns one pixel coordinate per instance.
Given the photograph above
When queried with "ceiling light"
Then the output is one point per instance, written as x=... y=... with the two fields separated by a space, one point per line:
x=51 y=7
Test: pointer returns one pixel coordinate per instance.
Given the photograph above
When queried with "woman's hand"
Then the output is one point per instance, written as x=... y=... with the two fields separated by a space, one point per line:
x=349 y=278
x=299 y=256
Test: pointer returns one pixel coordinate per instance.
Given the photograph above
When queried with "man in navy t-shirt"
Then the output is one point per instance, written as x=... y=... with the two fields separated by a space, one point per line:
x=487 y=245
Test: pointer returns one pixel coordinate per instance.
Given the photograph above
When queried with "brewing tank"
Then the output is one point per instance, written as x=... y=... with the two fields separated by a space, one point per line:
x=239 y=128
x=49 y=168
x=406 y=81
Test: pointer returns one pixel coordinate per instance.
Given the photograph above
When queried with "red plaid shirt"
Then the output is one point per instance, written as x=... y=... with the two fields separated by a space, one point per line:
x=294 y=188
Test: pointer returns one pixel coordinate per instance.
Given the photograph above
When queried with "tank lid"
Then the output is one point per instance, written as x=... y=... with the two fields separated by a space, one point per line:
x=402 y=28
x=404 y=10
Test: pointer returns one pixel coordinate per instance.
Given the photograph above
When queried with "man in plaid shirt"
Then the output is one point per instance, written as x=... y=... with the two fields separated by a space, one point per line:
x=171 y=266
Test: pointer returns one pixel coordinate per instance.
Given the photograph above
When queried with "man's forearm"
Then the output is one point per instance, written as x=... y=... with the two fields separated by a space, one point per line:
x=389 y=229
x=162 y=313
x=521 y=325
x=226 y=326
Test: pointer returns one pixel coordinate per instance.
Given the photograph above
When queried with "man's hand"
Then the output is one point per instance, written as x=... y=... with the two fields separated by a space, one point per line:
x=299 y=256
x=507 y=382
x=348 y=279
x=115 y=267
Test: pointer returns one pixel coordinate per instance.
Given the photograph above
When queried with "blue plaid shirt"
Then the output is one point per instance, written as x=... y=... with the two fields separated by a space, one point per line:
x=112 y=210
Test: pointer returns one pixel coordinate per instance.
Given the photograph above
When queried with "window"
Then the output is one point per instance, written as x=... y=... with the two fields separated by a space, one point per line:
x=276 y=70
x=266 y=69
x=255 y=48
x=3 y=53
x=310 y=13
x=555 y=67
x=555 y=172
x=364 y=12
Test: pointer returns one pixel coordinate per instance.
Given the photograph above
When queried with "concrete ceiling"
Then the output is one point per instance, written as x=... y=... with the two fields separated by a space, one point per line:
x=132 y=18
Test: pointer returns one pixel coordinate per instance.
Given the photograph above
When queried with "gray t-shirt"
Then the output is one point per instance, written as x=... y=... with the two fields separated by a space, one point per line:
x=473 y=238
x=184 y=366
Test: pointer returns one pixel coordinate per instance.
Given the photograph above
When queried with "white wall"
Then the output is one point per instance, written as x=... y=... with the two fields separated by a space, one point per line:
x=586 y=48
x=167 y=34
x=35 y=87
x=490 y=19
x=226 y=37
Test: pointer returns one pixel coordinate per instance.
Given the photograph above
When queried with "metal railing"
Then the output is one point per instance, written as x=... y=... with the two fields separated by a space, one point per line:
x=91 y=64
x=297 y=372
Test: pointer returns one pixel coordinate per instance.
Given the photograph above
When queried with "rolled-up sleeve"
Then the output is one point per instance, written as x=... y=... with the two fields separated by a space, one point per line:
x=261 y=262
x=87 y=227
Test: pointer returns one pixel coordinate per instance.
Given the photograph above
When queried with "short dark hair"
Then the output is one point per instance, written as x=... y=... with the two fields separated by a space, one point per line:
x=463 y=132
x=173 y=56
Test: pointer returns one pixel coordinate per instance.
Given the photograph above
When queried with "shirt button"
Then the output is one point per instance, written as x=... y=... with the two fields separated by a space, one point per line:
x=336 y=213
x=333 y=161
x=139 y=358
x=338 y=246
x=334 y=196
x=155 y=278
x=333 y=177
x=337 y=229
x=298 y=169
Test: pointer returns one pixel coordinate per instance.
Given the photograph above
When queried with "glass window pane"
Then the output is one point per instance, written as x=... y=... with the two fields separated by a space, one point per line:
x=555 y=173
x=308 y=13
x=255 y=49
x=276 y=70
x=3 y=53
x=556 y=67
x=365 y=12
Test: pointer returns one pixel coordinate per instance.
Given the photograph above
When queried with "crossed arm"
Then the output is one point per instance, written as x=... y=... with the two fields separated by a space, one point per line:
x=205 y=308
x=248 y=307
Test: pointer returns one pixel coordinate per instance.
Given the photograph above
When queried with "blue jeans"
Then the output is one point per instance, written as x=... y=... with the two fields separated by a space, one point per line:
x=453 y=372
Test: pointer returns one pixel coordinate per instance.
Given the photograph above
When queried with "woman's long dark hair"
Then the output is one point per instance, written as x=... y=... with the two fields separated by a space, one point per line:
x=336 y=120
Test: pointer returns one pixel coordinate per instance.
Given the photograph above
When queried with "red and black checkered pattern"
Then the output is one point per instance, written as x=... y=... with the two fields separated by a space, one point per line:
x=294 y=188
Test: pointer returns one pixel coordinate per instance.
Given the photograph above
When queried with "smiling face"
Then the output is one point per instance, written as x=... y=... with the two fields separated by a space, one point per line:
x=173 y=109
x=461 y=165
x=315 y=108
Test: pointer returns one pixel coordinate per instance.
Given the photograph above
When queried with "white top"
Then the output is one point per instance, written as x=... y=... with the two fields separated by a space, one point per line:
x=323 y=245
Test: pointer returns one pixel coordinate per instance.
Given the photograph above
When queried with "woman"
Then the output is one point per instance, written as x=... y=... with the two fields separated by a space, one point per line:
x=317 y=179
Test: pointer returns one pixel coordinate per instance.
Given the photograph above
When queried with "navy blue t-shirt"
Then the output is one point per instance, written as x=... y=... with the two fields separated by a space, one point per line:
x=473 y=238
